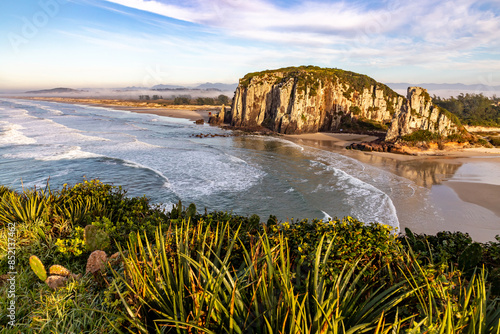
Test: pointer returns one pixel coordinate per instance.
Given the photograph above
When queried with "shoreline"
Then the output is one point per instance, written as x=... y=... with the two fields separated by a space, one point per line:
x=477 y=193
x=472 y=192
x=190 y=112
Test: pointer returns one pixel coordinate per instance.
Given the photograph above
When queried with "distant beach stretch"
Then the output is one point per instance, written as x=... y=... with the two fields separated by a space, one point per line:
x=179 y=111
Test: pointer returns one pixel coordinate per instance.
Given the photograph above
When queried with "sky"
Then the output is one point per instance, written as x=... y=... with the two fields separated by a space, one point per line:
x=120 y=43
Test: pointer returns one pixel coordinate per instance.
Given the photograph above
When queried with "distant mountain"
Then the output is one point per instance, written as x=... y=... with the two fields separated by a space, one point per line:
x=54 y=90
x=217 y=86
x=445 y=86
x=133 y=88
x=168 y=87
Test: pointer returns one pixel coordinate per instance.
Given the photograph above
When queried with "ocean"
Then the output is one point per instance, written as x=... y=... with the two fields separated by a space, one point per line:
x=164 y=159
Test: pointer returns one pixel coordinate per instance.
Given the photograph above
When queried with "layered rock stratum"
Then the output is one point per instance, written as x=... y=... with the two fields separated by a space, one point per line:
x=309 y=99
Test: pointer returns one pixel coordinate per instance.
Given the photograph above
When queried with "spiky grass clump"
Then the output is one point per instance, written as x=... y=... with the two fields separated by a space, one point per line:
x=188 y=281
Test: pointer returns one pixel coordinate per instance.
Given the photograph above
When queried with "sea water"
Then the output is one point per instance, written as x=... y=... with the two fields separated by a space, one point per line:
x=161 y=158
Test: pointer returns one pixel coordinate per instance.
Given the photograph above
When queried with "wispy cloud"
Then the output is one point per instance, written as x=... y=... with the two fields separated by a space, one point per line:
x=209 y=40
x=431 y=26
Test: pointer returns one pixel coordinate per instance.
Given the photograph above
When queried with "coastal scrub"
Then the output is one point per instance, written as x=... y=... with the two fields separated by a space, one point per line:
x=215 y=272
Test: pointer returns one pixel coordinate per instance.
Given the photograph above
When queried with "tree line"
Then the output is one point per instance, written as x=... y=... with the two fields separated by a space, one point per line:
x=472 y=109
x=187 y=99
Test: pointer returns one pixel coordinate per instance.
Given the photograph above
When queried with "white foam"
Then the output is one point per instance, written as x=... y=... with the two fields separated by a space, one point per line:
x=13 y=135
x=377 y=206
x=74 y=152
x=137 y=127
x=53 y=154
x=53 y=111
x=81 y=137
x=236 y=159
x=199 y=174
x=289 y=190
x=144 y=144
x=41 y=106
x=53 y=132
x=281 y=140
x=326 y=216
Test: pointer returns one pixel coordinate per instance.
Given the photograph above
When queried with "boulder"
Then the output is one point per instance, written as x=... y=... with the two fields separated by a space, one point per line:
x=96 y=262
x=55 y=281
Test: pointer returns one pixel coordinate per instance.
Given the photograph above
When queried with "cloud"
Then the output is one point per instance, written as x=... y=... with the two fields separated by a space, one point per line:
x=261 y=20
x=357 y=30
x=211 y=39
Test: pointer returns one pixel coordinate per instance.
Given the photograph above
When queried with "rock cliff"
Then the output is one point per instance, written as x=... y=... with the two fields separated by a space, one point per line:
x=419 y=113
x=310 y=99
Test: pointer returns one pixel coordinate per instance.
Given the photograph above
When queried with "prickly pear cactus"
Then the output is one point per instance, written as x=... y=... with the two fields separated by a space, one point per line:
x=37 y=266
x=470 y=257
x=95 y=238
x=59 y=270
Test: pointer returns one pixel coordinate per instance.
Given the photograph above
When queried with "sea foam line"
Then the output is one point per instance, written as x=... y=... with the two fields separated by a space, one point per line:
x=13 y=135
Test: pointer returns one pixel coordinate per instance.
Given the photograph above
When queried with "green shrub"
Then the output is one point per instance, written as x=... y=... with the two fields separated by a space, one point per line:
x=457 y=137
x=374 y=243
x=421 y=136
x=355 y=110
x=495 y=141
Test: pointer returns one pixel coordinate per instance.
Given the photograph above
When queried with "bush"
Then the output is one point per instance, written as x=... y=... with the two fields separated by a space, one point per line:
x=186 y=271
x=495 y=141
x=421 y=136
x=355 y=110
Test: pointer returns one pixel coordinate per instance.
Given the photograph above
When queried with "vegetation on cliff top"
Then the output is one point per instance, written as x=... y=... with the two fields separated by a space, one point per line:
x=472 y=109
x=214 y=272
x=309 y=76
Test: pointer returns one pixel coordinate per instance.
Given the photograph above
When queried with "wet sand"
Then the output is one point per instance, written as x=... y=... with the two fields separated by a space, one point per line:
x=482 y=194
x=337 y=139
x=192 y=115
x=464 y=184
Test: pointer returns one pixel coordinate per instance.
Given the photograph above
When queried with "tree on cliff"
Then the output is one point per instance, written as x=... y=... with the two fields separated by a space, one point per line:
x=472 y=109
x=222 y=99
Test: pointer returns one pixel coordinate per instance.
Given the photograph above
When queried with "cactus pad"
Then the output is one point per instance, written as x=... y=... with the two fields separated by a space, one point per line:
x=38 y=268
x=59 y=270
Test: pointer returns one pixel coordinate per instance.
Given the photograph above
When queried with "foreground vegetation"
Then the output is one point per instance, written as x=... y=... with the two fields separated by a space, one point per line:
x=180 y=271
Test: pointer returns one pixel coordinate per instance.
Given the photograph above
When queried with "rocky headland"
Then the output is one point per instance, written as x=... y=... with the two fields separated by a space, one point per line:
x=310 y=99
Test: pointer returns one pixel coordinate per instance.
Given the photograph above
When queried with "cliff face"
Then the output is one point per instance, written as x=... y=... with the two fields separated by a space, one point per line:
x=419 y=113
x=312 y=99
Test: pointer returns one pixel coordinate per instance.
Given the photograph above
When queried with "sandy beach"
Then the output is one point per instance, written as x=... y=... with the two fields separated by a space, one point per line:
x=468 y=179
x=482 y=194
x=190 y=112
x=478 y=191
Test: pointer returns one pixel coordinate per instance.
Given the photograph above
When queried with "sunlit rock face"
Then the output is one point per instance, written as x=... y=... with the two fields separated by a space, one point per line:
x=310 y=99
x=419 y=113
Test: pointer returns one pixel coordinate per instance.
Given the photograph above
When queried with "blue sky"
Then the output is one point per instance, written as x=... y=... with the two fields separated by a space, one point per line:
x=117 y=43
